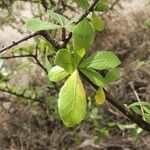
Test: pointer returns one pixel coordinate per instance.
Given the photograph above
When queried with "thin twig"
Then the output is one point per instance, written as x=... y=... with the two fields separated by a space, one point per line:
x=21 y=95
x=54 y=43
x=19 y=56
x=29 y=55
x=39 y=64
x=20 y=41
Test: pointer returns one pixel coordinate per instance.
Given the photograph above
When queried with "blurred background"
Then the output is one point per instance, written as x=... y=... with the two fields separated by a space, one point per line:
x=29 y=118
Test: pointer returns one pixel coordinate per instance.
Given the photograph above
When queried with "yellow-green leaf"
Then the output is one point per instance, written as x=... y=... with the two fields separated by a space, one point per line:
x=72 y=101
x=100 y=96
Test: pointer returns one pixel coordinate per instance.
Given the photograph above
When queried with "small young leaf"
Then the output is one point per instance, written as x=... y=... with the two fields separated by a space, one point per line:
x=102 y=5
x=72 y=101
x=112 y=75
x=94 y=76
x=57 y=73
x=101 y=60
x=65 y=60
x=97 y=22
x=83 y=35
x=82 y=3
x=59 y=18
x=36 y=24
x=100 y=96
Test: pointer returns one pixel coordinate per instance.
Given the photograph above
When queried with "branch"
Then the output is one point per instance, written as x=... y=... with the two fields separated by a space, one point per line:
x=127 y=112
x=39 y=64
x=21 y=95
x=50 y=39
x=19 y=56
x=28 y=55
x=54 y=43
x=20 y=41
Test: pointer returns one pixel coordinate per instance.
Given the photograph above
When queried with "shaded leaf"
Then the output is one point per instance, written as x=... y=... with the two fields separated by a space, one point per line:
x=101 y=60
x=112 y=75
x=78 y=55
x=63 y=21
x=82 y=3
x=72 y=101
x=59 y=18
x=97 y=22
x=83 y=35
x=65 y=60
x=57 y=73
x=102 y=5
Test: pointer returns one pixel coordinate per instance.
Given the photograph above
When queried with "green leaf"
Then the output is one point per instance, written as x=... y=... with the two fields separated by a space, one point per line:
x=137 y=110
x=147 y=110
x=65 y=60
x=112 y=75
x=82 y=3
x=102 y=5
x=83 y=35
x=101 y=60
x=97 y=22
x=57 y=73
x=36 y=24
x=94 y=76
x=139 y=104
x=63 y=21
x=72 y=101
x=59 y=18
